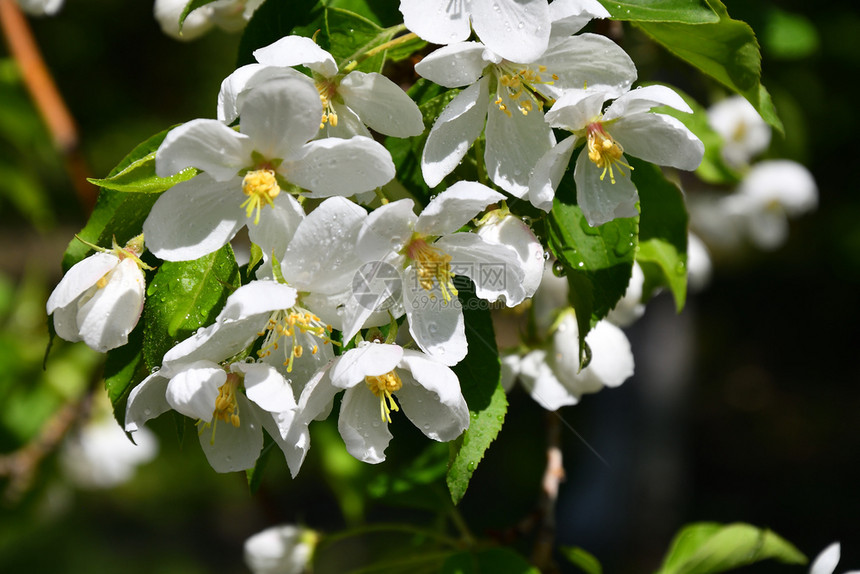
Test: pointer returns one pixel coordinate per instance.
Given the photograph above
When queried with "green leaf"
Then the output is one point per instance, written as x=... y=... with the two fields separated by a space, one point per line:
x=686 y=11
x=706 y=548
x=663 y=225
x=255 y=475
x=598 y=261
x=184 y=296
x=480 y=375
x=726 y=50
x=124 y=368
x=490 y=561
x=272 y=21
x=585 y=561
x=140 y=177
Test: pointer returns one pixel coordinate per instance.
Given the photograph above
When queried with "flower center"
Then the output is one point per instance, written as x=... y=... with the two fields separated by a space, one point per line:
x=262 y=188
x=604 y=151
x=288 y=324
x=327 y=90
x=432 y=264
x=226 y=407
x=519 y=83
x=382 y=386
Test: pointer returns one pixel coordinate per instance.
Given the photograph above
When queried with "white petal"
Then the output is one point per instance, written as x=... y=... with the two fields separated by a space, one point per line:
x=826 y=561
x=229 y=448
x=82 y=276
x=548 y=173
x=266 y=387
x=217 y=342
x=277 y=225
x=112 y=313
x=495 y=269
x=436 y=325
x=348 y=126
x=431 y=397
x=381 y=104
x=194 y=218
x=783 y=182
x=235 y=84
x=437 y=21
x=454 y=131
x=316 y=399
x=768 y=228
x=280 y=115
x=255 y=298
x=630 y=306
x=570 y=16
x=563 y=358
x=208 y=145
x=387 y=229
x=603 y=201
x=745 y=134
x=367 y=360
x=146 y=401
x=455 y=65
x=575 y=109
x=340 y=167
x=517 y=30
x=293 y=439
x=643 y=99
x=360 y=424
x=510 y=364
x=454 y=207
x=321 y=255
x=292 y=51
x=588 y=60
x=514 y=145
x=541 y=383
x=611 y=357
x=660 y=139
x=512 y=232
x=193 y=390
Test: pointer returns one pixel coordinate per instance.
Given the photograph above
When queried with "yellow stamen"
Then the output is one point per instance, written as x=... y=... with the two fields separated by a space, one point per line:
x=327 y=90
x=383 y=386
x=604 y=151
x=262 y=188
x=432 y=264
x=288 y=324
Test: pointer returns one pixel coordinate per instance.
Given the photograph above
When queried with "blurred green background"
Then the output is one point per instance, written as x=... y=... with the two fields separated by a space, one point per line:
x=743 y=407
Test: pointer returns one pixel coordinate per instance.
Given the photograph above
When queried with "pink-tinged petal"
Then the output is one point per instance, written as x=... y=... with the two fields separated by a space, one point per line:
x=436 y=325
x=512 y=232
x=587 y=60
x=602 y=200
x=266 y=387
x=641 y=100
x=146 y=401
x=548 y=173
x=111 y=314
x=333 y=166
x=292 y=51
x=321 y=255
x=209 y=145
x=431 y=397
x=455 y=207
x=280 y=115
x=541 y=383
x=364 y=433
x=454 y=66
x=575 y=109
x=277 y=226
x=515 y=143
x=454 y=131
x=517 y=30
x=80 y=278
x=437 y=21
x=386 y=230
x=366 y=360
x=381 y=104
x=495 y=269
x=659 y=139
x=193 y=389
x=229 y=448
x=255 y=298
x=194 y=218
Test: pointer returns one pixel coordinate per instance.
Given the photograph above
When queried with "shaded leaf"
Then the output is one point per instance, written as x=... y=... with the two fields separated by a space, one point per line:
x=695 y=12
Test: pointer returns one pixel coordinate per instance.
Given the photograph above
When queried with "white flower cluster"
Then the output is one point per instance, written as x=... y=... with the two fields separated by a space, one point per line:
x=283 y=158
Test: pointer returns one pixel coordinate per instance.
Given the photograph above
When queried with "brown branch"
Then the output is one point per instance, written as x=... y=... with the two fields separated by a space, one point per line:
x=553 y=475
x=40 y=84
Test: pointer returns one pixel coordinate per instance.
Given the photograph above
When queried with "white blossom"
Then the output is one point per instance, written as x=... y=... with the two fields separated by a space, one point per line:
x=285 y=549
x=229 y=15
x=100 y=299
x=41 y=7
x=745 y=134
x=372 y=375
x=826 y=561
x=604 y=189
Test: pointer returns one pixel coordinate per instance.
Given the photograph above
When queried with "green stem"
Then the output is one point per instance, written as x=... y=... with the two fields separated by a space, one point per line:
x=461 y=525
x=388 y=527
x=480 y=166
x=355 y=59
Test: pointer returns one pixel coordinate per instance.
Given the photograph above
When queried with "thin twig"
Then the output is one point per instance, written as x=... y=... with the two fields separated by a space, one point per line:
x=553 y=475
x=43 y=90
